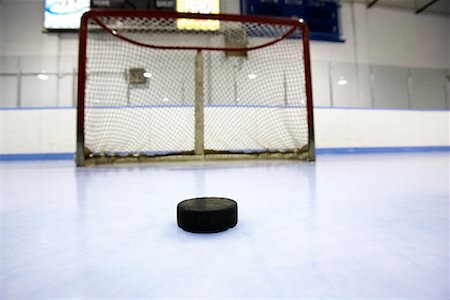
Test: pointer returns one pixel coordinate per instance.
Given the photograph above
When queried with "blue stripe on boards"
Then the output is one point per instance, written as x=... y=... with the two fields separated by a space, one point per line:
x=363 y=150
x=36 y=156
x=319 y=151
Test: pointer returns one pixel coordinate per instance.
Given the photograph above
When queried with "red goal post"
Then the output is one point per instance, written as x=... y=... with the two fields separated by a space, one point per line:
x=149 y=89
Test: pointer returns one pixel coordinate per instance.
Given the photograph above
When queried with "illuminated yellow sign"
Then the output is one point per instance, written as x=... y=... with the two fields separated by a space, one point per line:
x=202 y=7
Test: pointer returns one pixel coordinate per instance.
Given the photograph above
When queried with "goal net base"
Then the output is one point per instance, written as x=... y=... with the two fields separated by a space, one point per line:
x=209 y=155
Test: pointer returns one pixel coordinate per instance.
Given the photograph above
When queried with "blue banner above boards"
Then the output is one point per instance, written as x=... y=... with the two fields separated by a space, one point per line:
x=322 y=16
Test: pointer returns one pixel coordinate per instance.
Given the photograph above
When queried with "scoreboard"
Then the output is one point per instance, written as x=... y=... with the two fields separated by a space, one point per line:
x=322 y=16
x=164 y=5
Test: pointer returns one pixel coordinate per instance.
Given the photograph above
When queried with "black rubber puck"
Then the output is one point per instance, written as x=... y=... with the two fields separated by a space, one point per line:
x=207 y=214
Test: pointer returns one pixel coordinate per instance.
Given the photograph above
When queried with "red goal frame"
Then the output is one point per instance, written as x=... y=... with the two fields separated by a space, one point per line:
x=96 y=13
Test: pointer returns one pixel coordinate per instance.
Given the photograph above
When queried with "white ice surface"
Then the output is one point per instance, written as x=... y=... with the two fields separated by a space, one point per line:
x=345 y=227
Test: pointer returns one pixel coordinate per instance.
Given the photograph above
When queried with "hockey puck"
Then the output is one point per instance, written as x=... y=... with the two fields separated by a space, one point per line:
x=207 y=214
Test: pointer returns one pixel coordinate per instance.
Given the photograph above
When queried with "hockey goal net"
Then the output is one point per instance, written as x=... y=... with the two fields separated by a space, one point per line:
x=156 y=86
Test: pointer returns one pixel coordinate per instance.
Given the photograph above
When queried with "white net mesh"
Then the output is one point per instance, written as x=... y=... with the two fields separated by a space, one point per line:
x=140 y=88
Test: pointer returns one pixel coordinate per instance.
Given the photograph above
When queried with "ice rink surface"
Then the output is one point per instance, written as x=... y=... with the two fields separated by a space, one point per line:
x=345 y=227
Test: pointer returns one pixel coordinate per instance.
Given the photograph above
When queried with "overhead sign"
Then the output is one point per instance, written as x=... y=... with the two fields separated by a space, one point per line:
x=198 y=7
x=64 y=14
